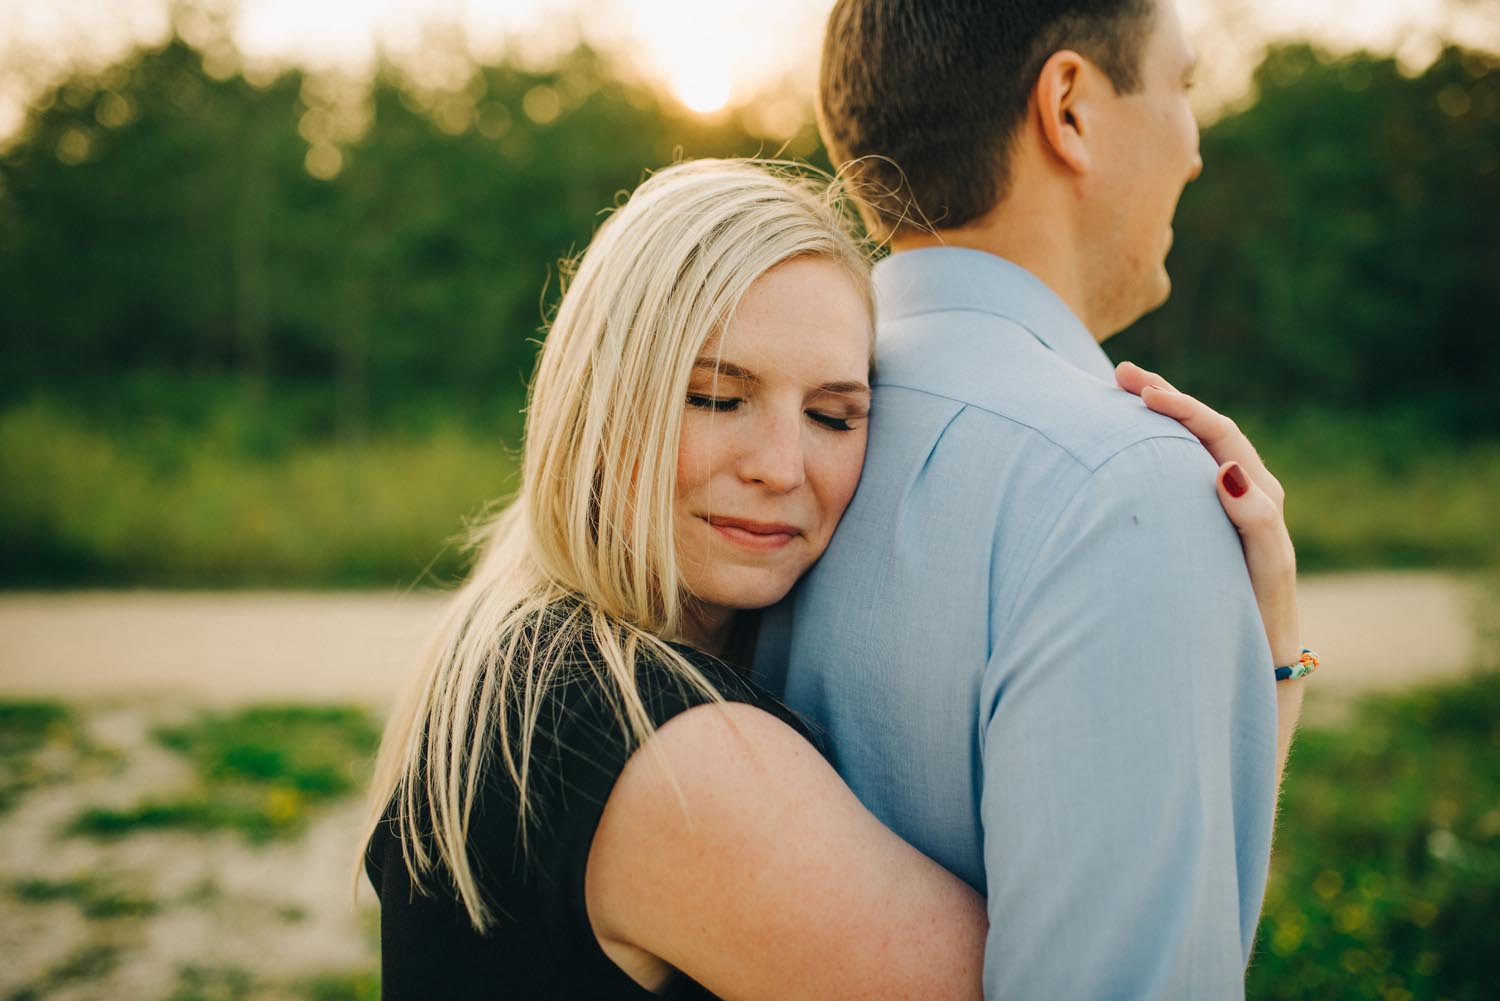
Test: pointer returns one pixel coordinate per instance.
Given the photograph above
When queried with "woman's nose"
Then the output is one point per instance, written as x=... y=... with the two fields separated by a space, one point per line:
x=771 y=453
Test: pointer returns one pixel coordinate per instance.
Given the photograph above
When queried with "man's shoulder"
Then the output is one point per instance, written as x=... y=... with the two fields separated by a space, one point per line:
x=1010 y=388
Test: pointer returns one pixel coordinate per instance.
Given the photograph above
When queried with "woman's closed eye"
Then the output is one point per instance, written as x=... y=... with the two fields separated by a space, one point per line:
x=726 y=404
x=834 y=421
x=718 y=404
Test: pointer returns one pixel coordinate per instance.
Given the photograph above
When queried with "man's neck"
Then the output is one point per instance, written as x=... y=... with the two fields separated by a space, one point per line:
x=1040 y=242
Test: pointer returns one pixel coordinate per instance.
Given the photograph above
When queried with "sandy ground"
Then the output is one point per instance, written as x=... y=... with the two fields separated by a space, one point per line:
x=1376 y=630
x=234 y=920
x=228 y=919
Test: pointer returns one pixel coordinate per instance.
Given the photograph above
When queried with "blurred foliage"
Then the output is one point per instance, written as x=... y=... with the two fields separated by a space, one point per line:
x=277 y=332
x=261 y=771
x=1341 y=250
x=371 y=256
x=43 y=743
x=235 y=501
x=95 y=897
x=360 y=985
x=197 y=982
x=26 y=727
x=85 y=965
x=1366 y=493
x=313 y=749
x=1386 y=876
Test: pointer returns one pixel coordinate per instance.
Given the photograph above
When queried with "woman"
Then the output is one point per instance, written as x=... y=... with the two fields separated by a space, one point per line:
x=580 y=797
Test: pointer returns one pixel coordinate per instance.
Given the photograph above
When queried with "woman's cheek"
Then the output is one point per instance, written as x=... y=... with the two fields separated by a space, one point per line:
x=845 y=470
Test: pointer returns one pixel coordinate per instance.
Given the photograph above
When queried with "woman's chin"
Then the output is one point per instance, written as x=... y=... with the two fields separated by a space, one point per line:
x=748 y=594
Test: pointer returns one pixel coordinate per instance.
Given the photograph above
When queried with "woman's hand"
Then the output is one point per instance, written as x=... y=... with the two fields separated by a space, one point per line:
x=1254 y=501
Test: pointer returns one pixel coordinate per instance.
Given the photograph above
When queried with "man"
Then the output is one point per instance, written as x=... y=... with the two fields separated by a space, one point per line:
x=1033 y=643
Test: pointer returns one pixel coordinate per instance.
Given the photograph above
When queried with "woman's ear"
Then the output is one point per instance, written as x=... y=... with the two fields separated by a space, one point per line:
x=1062 y=106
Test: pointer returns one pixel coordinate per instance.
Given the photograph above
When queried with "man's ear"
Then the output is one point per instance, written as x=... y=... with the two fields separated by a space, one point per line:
x=1063 y=109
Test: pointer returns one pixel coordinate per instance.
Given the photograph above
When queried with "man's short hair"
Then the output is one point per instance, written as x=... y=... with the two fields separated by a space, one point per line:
x=926 y=96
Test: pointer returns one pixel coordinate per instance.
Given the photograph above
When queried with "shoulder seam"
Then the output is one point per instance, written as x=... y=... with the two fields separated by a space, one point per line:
x=894 y=317
x=1002 y=317
x=1069 y=452
x=1063 y=508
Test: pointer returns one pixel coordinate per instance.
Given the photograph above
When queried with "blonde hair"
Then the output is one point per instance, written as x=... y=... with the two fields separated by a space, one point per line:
x=587 y=549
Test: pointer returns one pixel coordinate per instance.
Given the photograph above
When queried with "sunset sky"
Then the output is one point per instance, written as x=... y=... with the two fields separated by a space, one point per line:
x=706 y=54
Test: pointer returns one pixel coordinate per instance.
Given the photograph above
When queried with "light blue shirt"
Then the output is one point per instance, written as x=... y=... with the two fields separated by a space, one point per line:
x=1034 y=649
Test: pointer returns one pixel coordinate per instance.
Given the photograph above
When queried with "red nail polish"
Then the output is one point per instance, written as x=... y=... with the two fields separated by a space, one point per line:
x=1235 y=481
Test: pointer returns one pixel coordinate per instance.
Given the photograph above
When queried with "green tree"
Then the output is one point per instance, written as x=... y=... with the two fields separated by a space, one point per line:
x=1341 y=251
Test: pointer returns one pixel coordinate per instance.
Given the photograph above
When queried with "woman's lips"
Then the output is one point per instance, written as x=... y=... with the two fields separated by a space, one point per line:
x=758 y=535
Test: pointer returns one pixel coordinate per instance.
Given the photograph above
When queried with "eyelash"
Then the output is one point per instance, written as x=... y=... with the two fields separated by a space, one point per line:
x=718 y=404
x=724 y=405
x=831 y=422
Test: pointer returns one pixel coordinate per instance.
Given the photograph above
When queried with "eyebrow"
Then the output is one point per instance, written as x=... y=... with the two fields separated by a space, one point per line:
x=845 y=388
x=730 y=370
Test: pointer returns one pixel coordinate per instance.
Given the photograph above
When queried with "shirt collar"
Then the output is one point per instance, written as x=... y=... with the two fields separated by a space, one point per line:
x=934 y=279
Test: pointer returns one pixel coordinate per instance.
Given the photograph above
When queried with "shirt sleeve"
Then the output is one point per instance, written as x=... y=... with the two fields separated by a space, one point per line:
x=1127 y=730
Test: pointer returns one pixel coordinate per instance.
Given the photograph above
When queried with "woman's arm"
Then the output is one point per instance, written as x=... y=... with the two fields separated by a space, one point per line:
x=731 y=851
x=1255 y=502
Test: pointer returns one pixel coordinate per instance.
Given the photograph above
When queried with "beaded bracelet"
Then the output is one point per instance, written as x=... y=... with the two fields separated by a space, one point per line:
x=1300 y=668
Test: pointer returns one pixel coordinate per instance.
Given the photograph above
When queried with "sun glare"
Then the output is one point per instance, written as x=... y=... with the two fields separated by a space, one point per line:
x=703 y=87
x=706 y=54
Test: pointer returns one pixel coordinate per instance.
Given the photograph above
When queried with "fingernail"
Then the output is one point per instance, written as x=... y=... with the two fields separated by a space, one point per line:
x=1235 y=481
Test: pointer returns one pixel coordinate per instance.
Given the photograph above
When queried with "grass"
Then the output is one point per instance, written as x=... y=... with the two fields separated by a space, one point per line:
x=1386 y=880
x=204 y=983
x=25 y=726
x=1364 y=494
x=362 y=985
x=27 y=730
x=89 y=963
x=262 y=772
x=232 y=983
x=315 y=750
x=95 y=899
x=236 y=501
x=168 y=506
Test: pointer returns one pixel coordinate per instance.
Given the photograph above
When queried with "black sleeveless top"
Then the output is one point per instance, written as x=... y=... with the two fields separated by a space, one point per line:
x=540 y=944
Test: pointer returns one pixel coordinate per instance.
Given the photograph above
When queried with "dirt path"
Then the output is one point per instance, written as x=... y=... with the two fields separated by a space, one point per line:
x=219 y=648
x=1375 y=630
